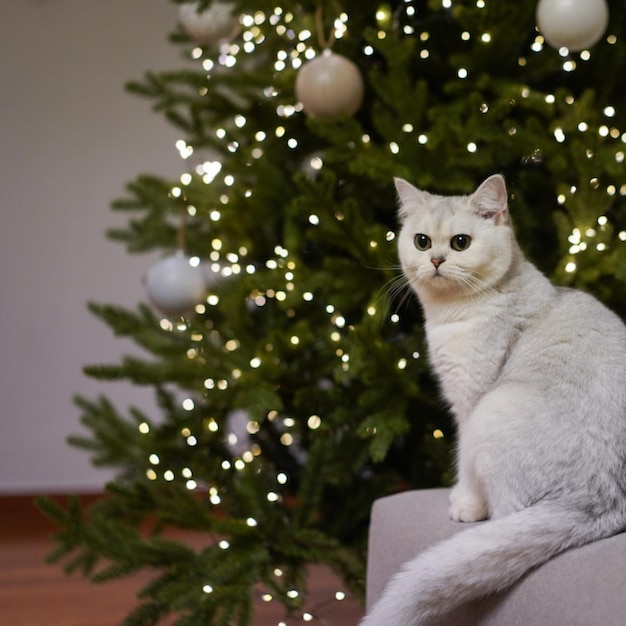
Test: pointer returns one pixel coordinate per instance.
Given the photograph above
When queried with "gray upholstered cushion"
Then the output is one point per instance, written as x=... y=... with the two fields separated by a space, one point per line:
x=583 y=587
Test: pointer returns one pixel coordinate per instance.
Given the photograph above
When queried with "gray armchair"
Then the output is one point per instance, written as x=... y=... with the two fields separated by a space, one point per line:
x=582 y=587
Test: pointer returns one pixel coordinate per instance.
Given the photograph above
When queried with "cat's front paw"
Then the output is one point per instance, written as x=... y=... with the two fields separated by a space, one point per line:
x=465 y=508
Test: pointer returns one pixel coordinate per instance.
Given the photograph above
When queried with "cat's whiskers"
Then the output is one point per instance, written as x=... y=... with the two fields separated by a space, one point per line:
x=469 y=283
x=399 y=286
x=476 y=285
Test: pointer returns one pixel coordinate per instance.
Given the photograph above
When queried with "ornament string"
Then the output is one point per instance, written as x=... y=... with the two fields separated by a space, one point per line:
x=325 y=42
x=181 y=234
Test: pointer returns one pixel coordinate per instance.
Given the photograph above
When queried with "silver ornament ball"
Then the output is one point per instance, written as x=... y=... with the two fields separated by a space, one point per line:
x=330 y=86
x=209 y=27
x=174 y=285
x=572 y=24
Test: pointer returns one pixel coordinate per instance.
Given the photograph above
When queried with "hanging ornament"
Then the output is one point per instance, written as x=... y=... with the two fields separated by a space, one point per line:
x=209 y=27
x=572 y=24
x=329 y=86
x=174 y=285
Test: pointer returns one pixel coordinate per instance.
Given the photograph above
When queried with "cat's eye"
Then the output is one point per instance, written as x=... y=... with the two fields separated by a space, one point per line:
x=422 y=242
x=460 y=242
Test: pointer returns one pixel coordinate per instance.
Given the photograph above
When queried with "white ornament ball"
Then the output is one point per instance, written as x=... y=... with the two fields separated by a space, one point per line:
x=174 y=285
x=330 y=86
x=572 y=24
x=210 y=27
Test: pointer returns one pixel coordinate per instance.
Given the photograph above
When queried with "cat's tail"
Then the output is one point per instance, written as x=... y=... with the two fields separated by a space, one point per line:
x=481 y=560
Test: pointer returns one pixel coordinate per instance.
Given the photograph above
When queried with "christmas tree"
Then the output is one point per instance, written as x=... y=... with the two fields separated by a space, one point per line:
x=284 y=349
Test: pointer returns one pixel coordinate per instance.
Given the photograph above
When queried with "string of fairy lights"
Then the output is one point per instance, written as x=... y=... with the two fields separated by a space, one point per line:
x=300 y=47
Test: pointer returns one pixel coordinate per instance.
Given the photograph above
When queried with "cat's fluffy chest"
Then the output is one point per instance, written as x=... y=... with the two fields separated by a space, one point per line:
x=468 y=355
x=470 y=342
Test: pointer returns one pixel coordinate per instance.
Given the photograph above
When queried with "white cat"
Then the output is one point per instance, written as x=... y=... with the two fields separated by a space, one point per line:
x=535 y=376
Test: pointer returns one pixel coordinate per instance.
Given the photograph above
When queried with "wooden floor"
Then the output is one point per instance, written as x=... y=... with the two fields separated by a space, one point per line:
x=33 y=593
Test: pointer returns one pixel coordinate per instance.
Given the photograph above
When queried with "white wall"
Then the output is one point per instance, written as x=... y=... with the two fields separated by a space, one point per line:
x=70 y=138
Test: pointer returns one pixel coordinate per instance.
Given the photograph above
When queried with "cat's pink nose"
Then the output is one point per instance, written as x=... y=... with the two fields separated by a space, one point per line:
x=437 y=261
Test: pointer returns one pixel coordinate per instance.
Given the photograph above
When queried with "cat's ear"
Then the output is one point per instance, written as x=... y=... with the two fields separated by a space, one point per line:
x=490 y=200
x=409 y=197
